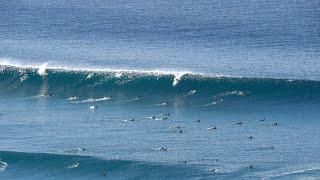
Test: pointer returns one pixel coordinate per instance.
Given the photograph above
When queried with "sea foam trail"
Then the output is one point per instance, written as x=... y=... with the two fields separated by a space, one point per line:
x=92 y=100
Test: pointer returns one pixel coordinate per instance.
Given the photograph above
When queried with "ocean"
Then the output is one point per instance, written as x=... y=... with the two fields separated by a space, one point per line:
x=165 y=89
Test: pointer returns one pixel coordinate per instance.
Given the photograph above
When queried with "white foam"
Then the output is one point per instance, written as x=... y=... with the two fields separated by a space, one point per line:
x=93 y=107
x=118 y=72
x=73 y=98
x=23 y=78
x=3 y=166
x=89 y=76
x=42 y=69
x=90 y=100
x=5 y=61
x=177 y=77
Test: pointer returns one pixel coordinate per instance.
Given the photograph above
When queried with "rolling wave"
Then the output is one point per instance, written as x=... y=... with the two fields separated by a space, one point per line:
x=74 y=83
x=45 y=166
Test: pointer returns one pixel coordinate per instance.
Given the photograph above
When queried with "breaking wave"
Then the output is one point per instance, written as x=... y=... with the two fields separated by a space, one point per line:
x=99 y=84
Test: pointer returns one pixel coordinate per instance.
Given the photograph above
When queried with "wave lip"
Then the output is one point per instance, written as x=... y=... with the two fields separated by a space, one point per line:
x=42 y=69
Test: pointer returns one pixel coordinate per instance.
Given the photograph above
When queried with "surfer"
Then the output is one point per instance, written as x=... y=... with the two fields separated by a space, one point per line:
x=275 y=124
x=212 y=128
x=80 y=149
x=165 y=103
x=163 y=149
x=175 y=127
x=239 y=123
x=191 y=92
x=214 y=170
x=93 y=107
x=164 y=118
x=73 y=165
x=262 y=120
x=73 y=98
x=250 y=137
x=131 y=120
x=48 y=94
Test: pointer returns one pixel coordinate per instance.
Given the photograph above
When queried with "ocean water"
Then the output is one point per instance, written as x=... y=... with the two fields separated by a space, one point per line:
x=159 y=89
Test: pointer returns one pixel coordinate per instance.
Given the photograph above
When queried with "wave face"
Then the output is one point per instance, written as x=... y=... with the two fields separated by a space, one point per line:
x=51 y=166
x=64 y=82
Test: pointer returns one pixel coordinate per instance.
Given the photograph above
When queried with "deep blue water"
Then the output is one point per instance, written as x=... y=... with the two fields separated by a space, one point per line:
x=227 y=89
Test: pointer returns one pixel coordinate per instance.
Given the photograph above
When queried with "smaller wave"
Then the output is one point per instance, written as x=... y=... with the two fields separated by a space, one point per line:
x=293 y=171
x=60 y=166
x=3 y=166
x=296 y=172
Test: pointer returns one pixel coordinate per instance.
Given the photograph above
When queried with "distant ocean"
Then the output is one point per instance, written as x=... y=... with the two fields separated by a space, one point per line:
x=165 y=89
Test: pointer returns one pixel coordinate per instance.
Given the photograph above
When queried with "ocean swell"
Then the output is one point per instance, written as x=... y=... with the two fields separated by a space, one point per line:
x=98 y=83
x=54 y=166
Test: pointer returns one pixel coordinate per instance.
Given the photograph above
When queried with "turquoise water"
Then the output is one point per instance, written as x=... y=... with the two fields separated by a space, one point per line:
x=159 y=89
